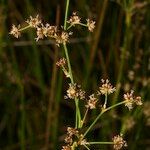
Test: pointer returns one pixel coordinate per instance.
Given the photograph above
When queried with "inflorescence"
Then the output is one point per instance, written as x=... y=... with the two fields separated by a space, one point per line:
x=60 y=36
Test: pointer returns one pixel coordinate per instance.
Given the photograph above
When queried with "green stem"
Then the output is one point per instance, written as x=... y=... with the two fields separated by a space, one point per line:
x=84 y=117
x=24 y=28
x=82 y=24
x=94 y=143
x=86 y=147
x=103 y=111
x=66 y=14
x=78 y=115
x=105 y=103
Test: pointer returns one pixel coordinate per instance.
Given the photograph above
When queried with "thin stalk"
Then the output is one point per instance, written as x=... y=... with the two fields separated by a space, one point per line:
x=105 y=103
x=86 y=147
x=82 y=24
x=78 y=115
x=66 y=14
x=86 y=112
x=100 y=143
x=24 y=28
x=103 y=111
x=93 y=123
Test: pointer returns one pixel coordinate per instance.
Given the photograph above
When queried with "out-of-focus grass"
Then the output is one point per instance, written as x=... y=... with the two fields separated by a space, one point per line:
x=34 y=114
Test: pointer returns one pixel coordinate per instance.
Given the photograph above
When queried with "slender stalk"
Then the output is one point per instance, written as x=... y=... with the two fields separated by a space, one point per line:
x=86 y=147
x=105 y=103
x=100 y=143
x=93 y=123
x=78 y=115
x=86 y=112
x=66 y=14
x=103 y=111
x=24 y=28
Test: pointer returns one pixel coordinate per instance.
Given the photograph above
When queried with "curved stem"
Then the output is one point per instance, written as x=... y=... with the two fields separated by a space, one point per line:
x=103 y=111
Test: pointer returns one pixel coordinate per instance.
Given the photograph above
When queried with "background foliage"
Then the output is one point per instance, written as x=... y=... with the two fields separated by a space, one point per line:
x=34 y=114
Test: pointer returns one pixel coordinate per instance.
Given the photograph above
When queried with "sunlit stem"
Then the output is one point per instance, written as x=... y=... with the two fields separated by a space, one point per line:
x=105 y=103
x=22 y=29
x=78 y=115
x=86 y=147
x=103 y=111
x=99 y=143
x=86 y=112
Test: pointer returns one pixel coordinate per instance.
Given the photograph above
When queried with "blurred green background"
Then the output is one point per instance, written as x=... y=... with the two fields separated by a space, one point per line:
x=33 y=112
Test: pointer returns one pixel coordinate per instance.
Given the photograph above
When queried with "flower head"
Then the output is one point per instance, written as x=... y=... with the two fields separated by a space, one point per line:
x=62 y=37
x=74 y=19
x=118 y=142
x=75 y=91
x=15 y=31
x=66 y=147
x=49 y=31
x=90 y=25
x=106 y=87
x=130 y=100
x=61 y=62
x=34 y=22
x=91 y=104
x=40 y=34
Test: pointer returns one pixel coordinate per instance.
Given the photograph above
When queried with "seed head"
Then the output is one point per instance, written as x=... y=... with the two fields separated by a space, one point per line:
x=15 y=31
x=50 y=31
x=75 y=91
x=34 y=22
x=40 y=34
x=91 y=104
x=118 y=142
x=63 y=37
x=66 y=147
x=131 y=99
x=61 y=62
x=72 y=131
x=90 y=25
x=106 y=87
x=74 y=19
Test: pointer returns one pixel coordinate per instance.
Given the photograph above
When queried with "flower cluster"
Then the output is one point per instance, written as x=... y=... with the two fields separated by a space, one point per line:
x=15 y=31
x=75 y=91
x=106 y=88
x=118 y=142
x=91 y=104
x=130 y=99
x=75 y=19
x=90 y=25
x=42 y=30
x=71 y=134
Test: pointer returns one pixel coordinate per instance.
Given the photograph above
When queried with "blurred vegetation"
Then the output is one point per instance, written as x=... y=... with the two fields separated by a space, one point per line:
x=34 y=114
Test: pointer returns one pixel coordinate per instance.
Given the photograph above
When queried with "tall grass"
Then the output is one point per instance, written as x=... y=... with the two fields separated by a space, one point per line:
x=34 y=114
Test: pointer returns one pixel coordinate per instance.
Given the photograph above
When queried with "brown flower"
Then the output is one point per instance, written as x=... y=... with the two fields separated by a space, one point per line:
x=74 y=19
x=15 y=31
x=118 y=142
x=106 y=88
x=90 y=25
x=34 y=22
x=75 y=91
x=91 y=104
x=130 y=99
